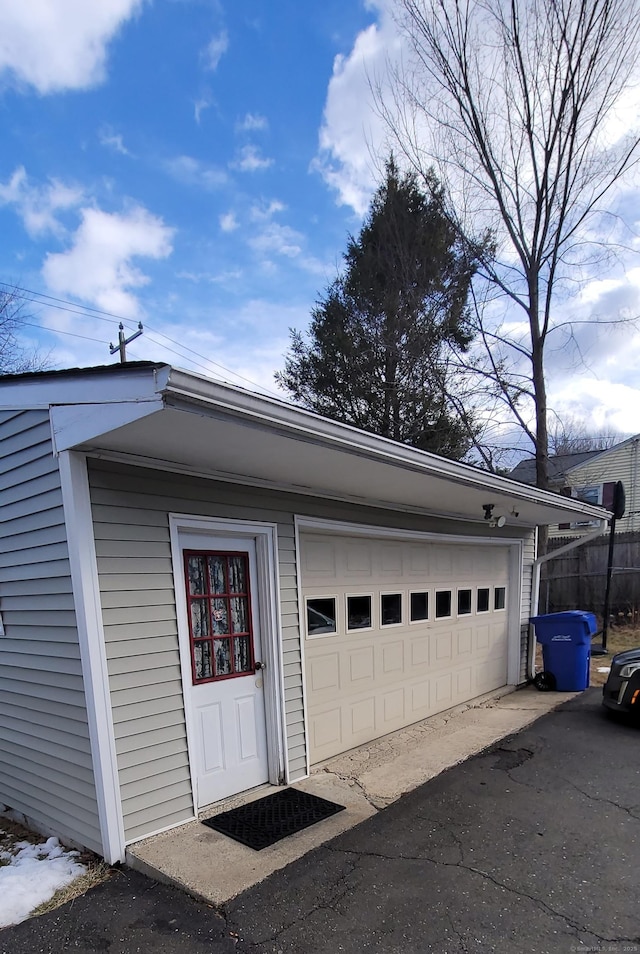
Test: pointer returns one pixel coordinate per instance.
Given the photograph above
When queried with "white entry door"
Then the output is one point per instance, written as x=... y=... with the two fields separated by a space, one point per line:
x=226 y=685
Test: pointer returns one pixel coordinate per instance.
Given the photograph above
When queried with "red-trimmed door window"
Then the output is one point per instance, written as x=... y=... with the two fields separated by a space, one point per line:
x=219 y=609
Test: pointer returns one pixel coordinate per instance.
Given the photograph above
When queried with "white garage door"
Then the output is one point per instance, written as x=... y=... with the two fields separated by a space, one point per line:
x=396 y=631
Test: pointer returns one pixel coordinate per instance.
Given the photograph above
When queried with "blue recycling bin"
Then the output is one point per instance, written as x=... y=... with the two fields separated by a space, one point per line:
x=566 y=647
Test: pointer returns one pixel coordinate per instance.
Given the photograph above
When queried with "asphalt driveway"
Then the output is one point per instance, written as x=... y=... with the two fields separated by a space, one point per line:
x=531 y=846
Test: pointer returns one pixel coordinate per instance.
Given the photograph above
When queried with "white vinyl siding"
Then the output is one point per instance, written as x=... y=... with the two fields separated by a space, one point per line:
x=46 y=768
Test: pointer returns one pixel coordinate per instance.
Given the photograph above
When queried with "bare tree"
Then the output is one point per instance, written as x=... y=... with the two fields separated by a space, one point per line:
x=571 y=436
x=15 y=357
x=514 y=101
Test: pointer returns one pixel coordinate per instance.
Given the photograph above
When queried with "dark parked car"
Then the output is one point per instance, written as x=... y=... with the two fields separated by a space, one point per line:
x=621 y=692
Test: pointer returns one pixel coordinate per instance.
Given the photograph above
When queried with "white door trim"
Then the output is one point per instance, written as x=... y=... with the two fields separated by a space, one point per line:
x=297 y=527
x=265 y=537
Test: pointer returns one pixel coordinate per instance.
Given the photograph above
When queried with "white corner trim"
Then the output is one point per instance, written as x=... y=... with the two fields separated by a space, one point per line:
x=265 y=537
x=86 y=596
x=514 y=610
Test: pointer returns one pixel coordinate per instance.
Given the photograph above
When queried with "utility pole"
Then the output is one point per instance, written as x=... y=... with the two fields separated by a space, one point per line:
x=123 y=342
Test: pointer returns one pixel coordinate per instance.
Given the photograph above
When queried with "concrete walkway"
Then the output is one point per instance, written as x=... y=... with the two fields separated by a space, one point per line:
x=215 y=868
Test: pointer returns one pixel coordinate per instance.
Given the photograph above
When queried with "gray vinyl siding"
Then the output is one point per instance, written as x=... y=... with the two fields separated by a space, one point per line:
x=131 y=526
x=46 y=770
x=131 y=508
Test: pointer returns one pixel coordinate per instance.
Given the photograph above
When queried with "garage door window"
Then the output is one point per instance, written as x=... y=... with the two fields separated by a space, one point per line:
x=499 y=598
x=482 y=601
x=359 y=612
x=390 y=609
x=443 y=604
x=321 y=616
x=419 y=606
x=464 y=602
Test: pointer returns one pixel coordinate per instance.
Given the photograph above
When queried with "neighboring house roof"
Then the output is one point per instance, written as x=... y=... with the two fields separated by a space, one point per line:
x=152 y=414
x=525 y=471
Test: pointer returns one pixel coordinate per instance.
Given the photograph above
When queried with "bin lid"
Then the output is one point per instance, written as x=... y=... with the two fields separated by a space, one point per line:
x=574 y=626
x=566 y=614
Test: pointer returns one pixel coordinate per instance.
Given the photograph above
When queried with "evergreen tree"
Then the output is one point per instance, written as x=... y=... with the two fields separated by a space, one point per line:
x=376 y=353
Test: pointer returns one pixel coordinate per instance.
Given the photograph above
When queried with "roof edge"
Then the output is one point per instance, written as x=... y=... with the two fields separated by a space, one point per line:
x=290 y=417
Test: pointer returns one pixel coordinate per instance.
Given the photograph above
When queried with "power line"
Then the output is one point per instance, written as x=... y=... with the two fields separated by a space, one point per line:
x=71 y=334
x=63 y=304
x=62 y=301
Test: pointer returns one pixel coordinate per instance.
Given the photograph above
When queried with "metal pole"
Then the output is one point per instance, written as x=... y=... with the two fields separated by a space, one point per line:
x=607 y=592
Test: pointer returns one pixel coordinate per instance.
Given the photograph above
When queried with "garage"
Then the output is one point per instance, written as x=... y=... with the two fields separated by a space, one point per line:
x=227 y=589
x=397 y=630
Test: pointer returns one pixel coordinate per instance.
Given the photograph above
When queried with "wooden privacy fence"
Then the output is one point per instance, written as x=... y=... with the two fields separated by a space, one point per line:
x=577 y=579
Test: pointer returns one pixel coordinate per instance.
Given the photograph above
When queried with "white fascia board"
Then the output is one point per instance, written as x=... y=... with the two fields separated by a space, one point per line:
x=75 y=424
x=105 y=386
x=305 y=425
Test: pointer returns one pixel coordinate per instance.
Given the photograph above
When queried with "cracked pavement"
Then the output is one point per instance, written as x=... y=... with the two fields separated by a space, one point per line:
x=530 y=846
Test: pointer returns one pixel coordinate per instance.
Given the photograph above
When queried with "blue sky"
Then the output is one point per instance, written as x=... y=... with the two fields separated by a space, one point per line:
x=171 y=174
x=197 y=165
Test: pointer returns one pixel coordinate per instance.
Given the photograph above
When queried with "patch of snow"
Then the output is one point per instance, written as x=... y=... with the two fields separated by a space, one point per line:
x=32 y=876
x=604 y=668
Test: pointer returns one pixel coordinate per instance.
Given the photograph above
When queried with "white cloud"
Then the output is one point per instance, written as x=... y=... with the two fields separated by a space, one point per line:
x=252 y=122
x=278 y=240
x=228 y=222
x=113 y=141
x=352 y=133
x=249 y=341
x=250 y=160
x=616 y=405
x=99 y=268
x=54 y=46
x=38 y=205
x=263 y=212
x=199 y=107
x=216 y=48
x=282 y=241
x=221 y=278
x=192 y=171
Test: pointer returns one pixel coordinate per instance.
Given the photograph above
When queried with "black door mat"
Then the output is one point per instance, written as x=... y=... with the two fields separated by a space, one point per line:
x=263 y=822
